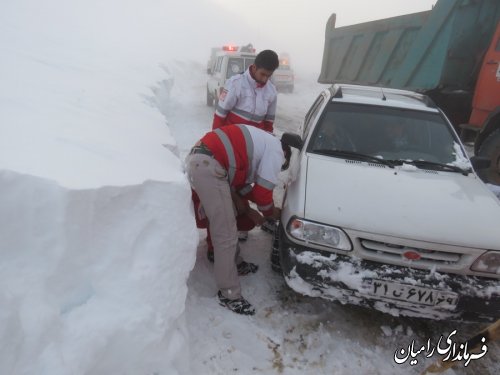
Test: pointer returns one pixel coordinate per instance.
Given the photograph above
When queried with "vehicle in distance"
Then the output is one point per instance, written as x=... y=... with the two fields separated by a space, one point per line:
x=227 y=62
x=283 y=77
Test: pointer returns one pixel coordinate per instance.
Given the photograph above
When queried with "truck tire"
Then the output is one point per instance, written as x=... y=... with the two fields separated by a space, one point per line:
x=491 y=149
x=210 y=99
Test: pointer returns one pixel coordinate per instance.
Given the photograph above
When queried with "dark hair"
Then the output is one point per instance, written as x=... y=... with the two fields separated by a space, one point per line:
x=268 y=60
x=287 y=151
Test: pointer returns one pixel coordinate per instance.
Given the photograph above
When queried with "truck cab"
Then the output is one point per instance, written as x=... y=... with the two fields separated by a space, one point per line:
x=231 y=60
x=485 y=116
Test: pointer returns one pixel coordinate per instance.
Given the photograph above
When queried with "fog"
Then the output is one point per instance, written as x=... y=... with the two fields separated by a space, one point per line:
x=298 y=26
x=293 y=26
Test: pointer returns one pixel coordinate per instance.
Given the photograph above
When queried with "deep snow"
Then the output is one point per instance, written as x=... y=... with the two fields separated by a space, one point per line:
x=102 y=270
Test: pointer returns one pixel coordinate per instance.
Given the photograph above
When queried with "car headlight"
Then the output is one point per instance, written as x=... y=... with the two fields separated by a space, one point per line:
x=489 y=262
x=318 y=234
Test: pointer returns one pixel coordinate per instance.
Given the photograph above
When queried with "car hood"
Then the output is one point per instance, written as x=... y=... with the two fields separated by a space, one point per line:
x=442 y=207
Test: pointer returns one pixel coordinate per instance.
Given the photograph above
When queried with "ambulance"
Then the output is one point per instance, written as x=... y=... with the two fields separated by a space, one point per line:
x=225 y=63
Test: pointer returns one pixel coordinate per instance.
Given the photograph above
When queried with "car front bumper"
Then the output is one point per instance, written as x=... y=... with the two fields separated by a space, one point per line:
x=353 y=281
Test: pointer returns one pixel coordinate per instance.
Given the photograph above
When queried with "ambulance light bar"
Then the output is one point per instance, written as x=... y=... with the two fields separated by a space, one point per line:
x=230 y=48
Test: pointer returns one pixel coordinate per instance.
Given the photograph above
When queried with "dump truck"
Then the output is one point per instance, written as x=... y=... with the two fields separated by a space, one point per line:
x=450 y=53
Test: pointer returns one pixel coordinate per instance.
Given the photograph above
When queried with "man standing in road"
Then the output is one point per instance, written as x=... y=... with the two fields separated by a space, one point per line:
x=249 y=98
x=227 y=166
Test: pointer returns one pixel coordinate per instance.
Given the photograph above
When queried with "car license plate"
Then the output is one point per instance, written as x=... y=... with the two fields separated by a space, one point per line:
x=412 y=294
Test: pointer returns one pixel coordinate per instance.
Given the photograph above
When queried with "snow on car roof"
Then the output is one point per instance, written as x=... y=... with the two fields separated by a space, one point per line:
x=375 y=95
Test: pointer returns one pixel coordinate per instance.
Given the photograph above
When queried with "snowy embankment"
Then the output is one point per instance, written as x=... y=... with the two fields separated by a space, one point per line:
x=97 y=238
x=94 y=278
x=94 y=266
x=90 y=278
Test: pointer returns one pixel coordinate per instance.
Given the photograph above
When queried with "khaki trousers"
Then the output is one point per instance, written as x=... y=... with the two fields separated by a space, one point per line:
x=209 y=179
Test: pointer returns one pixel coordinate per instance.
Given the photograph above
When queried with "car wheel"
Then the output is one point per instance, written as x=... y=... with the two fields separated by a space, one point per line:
x=491 y=149
x=275 y=251
x=210 y=99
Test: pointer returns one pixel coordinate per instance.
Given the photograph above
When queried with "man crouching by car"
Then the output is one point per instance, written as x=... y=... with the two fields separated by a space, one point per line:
x=235 y=162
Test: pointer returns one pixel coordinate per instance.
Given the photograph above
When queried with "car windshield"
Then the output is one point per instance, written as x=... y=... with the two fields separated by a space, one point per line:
x=387 y=133
x=237 y=65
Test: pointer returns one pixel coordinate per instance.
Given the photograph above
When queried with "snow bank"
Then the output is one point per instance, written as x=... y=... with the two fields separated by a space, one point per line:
x=94 y=281
x=97 y=235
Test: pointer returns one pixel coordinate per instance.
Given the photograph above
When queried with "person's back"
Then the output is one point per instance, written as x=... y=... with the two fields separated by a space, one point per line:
x=250 y=155
x=226 y=165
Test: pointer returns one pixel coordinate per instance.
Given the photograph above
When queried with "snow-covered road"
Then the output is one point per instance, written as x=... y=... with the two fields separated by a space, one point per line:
x=290 y=334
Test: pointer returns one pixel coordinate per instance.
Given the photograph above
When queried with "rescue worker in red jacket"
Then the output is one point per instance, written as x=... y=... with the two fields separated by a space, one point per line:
x=250 y=98
x=226 y=166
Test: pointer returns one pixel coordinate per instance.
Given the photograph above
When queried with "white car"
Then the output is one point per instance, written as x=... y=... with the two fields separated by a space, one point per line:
x=384 y=210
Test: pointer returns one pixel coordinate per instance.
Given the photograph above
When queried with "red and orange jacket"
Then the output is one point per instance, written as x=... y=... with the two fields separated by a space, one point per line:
x=244 y=101
x=253 y=159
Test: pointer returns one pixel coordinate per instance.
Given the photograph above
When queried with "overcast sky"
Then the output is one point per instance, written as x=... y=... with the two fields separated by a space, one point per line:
x=188 y=29
x=298 y=26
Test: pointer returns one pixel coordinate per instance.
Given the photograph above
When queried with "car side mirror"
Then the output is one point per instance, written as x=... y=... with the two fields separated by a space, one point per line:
x=292 y=140
x=480 y=162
